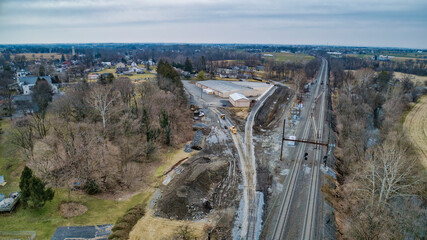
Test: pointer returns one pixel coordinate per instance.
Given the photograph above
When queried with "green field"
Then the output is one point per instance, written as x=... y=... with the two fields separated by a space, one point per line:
x=44 y=221
x=288 y=57
x=134 y=77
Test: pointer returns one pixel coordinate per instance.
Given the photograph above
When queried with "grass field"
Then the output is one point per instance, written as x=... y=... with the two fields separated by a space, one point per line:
x=415 y=126
x=150 y=227
x=38 y=56
x=291 y=57
x=418 y=80
x=45 y=220
x=398 y=57
x=135 y=77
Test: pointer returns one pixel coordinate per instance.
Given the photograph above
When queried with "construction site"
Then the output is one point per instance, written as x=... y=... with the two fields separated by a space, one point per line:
x=228 y=177
x=250 y=163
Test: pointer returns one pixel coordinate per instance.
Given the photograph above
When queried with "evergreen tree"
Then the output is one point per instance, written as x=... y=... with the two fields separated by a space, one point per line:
x=41 y=95
x=39 y=195
x=42 y=70
x=383 y=79
x=33 y=192
x=203 y=63
x=24 y=185
x=188 y=66
x=106 y=78
x=165 y=123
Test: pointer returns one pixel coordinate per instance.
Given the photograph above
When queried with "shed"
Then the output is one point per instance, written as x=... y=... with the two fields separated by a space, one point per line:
x=239 y=100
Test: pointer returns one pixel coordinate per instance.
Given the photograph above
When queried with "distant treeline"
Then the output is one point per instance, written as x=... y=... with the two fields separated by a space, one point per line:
x=417 y=67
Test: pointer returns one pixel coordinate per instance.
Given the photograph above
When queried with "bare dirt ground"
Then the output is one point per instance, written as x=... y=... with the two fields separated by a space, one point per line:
x=72 y=209
x=416 y=127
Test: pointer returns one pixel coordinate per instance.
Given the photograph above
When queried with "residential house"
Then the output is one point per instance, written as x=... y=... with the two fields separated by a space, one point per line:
x=260 y=68
x=121 y=67
x=27 y=83
x=93 y=76
x=106 y=64
x=138 y=70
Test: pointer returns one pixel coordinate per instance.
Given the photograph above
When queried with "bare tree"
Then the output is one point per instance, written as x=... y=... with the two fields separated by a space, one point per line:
x=23 y=137
x=388 y=173
x=102 y=99
x=125 y=88
x=300 y=79
x=364 y=76
x=349 y=83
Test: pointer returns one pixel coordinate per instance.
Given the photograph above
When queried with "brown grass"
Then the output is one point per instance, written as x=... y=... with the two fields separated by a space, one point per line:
x=418 y=80
x=72 y=209
x=416 y=127
x=151 y=227
x=38 y=56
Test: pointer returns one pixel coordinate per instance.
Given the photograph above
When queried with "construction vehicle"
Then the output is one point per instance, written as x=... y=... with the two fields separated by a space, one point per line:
x=222 y=116
x=233 y=129
x=194 y=107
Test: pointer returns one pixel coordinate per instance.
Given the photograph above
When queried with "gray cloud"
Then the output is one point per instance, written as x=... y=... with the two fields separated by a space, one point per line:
x=345 y=22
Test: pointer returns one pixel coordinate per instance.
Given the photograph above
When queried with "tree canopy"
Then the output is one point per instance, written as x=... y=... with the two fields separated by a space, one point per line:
x=42 y=94
x=33 y=191
x=188 y=66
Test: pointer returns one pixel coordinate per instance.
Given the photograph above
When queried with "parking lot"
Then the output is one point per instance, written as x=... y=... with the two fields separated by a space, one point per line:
x=197 y=96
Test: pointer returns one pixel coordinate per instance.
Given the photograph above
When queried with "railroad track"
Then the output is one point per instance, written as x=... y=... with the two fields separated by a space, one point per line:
x=311 y=208
x=279 y=229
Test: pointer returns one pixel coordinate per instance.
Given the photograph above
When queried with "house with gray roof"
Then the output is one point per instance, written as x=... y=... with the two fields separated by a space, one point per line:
x=27 y=83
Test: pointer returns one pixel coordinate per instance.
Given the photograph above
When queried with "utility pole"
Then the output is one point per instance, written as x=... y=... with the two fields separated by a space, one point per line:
x=283 y=136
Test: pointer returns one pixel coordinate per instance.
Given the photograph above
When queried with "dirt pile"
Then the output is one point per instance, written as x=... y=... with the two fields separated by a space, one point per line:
x=192 y=193
x=269 y=114
x=72 y=209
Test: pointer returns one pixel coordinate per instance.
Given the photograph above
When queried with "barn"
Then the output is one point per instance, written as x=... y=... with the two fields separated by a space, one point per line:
x=239 y=100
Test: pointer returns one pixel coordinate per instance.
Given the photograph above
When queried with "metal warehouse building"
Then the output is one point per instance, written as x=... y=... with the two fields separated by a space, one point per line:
x=226 y=88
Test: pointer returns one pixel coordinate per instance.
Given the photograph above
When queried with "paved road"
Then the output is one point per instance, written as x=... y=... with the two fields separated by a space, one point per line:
x=290 y=200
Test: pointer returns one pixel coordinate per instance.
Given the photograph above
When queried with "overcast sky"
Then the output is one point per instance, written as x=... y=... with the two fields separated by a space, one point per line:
x=387 y=23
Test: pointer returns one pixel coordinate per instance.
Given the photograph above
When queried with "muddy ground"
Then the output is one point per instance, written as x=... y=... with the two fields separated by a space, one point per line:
x=268 y=133
x=268 y=129
x=206 y=184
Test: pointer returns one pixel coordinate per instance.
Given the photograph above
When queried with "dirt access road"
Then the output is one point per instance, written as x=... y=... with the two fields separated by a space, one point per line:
x=245 y=149
x=416 y=127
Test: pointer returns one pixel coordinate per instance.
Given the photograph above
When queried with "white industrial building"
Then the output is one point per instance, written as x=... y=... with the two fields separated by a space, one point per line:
x=226 y=88
x=239 y=100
